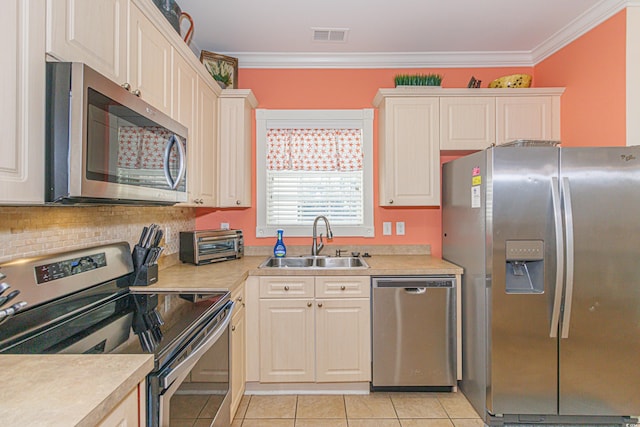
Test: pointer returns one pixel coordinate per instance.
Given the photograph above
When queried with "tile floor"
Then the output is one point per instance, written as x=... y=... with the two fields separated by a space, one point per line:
x=373 y=410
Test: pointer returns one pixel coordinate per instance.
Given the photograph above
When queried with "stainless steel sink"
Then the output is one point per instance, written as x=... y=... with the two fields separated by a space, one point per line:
x=317 y=262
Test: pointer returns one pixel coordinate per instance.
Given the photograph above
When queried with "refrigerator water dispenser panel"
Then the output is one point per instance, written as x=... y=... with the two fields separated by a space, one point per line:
x=524 y=267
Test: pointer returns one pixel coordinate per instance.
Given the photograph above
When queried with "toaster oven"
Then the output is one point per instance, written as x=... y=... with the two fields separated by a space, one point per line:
x=207 y=246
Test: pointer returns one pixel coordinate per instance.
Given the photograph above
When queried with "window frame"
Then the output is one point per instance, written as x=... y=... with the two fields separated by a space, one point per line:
x=328 y=119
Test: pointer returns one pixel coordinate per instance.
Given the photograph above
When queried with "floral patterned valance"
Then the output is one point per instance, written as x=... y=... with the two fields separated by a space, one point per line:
x=314 y=149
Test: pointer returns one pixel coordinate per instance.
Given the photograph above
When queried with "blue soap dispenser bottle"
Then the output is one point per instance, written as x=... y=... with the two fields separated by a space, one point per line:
x=279 y=250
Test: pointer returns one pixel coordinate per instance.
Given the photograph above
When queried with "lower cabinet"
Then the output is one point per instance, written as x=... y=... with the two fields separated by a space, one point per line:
x=126 y=413
x=238 y=350
x=314 y=329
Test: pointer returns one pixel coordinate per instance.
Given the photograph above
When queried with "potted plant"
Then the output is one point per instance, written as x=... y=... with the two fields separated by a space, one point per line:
x=418 y=80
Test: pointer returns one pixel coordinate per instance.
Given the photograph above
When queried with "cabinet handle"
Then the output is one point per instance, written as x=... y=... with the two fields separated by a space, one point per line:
x=309 y=304
x=319 y=304
x=126 y=86
x=233 y=328
x=239 y=299
x=137 y=93
x=343 y=287
x=391 y=201
x=238 y=202
x=286 y=288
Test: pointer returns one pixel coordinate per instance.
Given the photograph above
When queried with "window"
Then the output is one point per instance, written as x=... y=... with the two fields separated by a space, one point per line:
x=314 y=162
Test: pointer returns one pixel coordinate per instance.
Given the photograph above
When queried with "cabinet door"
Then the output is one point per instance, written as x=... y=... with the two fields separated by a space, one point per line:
x=234 y=153
x=410 y=152
x=527 y=117
x=125 y=414
x=238 y=356
x=22 y=80
x=467 y=123
x=206 y=162
x=343 y=349
x=93 y=32
x=286 y=340
x=149 y=61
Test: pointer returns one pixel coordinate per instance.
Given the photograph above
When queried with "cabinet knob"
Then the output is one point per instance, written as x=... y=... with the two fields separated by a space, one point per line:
x=137 y=93
x=238 y=202
x=319 y=304
x=286 y=288
x=309 y=304
x=239 y=299
x=126 y=86
x=391 y=201
x=343 y=287
x=233 y=328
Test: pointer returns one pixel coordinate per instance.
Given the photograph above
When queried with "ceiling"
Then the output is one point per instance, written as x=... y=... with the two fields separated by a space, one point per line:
x=399 y=33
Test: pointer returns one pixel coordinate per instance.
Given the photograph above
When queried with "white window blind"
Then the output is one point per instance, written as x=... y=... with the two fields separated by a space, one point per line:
x=314 y=162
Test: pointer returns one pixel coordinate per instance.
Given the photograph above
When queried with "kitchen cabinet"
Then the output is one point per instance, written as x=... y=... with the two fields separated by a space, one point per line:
x=93 y=32
x=22 y=115
x=467 y=122
x=314 y=329
x=527 y=117
x=238 y=349
x=234 y=147
x=409 y=152
x=125 y=414
x=149 y=62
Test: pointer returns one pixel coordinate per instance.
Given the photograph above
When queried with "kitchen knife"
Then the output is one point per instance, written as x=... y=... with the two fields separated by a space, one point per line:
x=143 y=235
x=157 y=238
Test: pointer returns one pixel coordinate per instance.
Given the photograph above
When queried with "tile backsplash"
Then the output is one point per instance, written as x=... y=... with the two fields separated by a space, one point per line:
x=31 y=231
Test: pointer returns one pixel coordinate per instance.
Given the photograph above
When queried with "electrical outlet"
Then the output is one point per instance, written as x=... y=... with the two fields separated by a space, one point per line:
x=386 y=228
x=400 y=228
x=167 y=235
x=224 y=225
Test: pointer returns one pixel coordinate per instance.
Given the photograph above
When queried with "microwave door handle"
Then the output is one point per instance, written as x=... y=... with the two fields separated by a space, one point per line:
x=173 y=184
x=193 y=358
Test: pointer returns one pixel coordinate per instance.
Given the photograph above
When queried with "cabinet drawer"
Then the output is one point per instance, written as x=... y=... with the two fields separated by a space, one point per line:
x=238 y=297
x=286 y=287
x=343 y=286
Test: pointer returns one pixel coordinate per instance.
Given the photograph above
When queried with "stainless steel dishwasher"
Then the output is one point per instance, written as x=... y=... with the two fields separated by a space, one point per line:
x=413 y=332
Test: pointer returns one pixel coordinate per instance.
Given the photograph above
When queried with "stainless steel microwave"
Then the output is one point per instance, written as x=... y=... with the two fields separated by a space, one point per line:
x=106 y=145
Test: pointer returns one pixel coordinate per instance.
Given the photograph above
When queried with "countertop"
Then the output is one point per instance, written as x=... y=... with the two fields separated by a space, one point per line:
x=231 y=274
x=66 y=390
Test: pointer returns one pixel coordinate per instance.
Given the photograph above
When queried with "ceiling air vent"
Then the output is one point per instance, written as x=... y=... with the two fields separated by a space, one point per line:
x=334 y=35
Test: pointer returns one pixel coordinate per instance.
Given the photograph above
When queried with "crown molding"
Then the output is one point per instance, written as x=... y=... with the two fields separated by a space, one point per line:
x=576 y=28
x=579 y=26
x=382 y=59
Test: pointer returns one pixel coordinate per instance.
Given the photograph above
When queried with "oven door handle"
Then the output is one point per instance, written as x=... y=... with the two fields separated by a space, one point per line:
x=193 y=358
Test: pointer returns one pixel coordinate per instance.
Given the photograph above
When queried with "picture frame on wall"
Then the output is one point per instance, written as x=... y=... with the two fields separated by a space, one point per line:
x=223 y=69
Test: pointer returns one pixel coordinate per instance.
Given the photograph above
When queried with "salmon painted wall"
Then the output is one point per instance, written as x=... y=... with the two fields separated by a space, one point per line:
x=341 y=89
x=593 y=70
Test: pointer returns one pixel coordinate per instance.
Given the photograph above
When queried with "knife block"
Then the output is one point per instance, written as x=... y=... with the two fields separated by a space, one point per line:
x=145 y=275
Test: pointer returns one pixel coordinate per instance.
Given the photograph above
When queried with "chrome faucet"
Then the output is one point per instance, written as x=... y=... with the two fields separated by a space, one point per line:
x=315 y=246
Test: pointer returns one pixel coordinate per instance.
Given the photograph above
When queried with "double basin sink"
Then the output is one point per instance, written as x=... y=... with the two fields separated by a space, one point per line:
x=315 y=262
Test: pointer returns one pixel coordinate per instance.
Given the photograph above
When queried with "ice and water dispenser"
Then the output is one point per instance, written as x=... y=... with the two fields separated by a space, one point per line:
x=525 y=266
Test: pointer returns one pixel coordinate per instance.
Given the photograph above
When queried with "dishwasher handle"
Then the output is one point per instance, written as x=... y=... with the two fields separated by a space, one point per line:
x=415 y=291
x=414 y=285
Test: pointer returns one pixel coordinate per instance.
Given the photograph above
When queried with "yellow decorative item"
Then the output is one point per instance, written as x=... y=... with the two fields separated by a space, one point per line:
x=514 y=80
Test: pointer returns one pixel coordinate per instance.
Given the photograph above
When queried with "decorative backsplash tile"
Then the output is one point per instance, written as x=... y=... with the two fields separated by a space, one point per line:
x=31 y=231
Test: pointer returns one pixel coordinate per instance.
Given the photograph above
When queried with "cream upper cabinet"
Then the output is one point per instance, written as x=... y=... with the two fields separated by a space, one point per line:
x=527 y=117
x=234 y=147
x=409 y=151
x=202 y=174
x=93 y=32
x=467 y=122
x=149 y=61
x=22 y=115
x=314 y=329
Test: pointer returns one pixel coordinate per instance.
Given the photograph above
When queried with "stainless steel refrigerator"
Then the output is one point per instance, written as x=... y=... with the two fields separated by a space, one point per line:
x=549 y=239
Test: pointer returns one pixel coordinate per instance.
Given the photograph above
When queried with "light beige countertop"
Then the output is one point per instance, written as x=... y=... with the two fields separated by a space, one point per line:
x=231 y=274
x=66 y=390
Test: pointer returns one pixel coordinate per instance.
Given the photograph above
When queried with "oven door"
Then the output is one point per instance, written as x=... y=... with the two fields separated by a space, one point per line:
x=194 y=385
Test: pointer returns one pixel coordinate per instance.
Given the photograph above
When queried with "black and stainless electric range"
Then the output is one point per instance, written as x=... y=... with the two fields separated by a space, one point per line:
x=80 y=302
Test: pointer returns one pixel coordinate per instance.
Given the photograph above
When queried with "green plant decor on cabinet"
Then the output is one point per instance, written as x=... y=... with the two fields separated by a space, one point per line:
x=418 y=79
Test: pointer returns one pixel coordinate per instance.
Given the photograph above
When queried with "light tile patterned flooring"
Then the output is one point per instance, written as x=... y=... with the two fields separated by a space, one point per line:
x=373 y=410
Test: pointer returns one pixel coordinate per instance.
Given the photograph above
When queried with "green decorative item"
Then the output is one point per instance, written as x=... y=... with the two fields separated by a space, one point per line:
x=418 y=79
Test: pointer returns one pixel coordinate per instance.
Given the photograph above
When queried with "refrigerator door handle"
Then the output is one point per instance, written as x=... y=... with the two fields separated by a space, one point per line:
x=557 y=219
x=568 y=219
